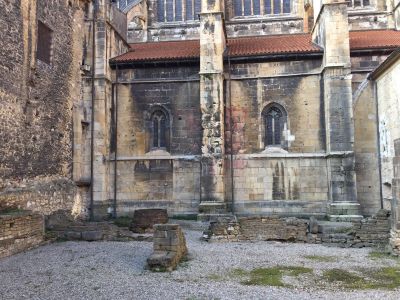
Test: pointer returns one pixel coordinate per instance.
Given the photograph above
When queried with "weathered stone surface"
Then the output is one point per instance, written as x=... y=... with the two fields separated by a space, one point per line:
x=368 y=232
x=257 y=228
x=92 y=235
x=313 y=225
x=20 y=231
x=144 y=219
x=394 y=241
x=36 y=104
x=169 y=247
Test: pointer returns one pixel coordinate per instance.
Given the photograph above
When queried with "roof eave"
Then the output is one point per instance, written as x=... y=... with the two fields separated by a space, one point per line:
x=154 y=62
x=394 y=57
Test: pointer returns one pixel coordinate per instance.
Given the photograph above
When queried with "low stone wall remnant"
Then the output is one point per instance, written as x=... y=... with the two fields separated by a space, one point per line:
x=169 y=247
x=45 y=197
x=20 y=231
x=273 y=228
x=61 y=225
x=367 y=232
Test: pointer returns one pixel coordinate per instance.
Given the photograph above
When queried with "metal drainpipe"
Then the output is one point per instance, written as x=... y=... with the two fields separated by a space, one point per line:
x=116 y=142
x=91 y=215
x=231 y=131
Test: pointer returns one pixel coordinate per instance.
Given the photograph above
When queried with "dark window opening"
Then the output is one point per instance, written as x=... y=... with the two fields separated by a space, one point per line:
x=177 y=10
x=275 y=121
x=359 y=3
x=160 y=129
x=44 y=39
x=255 y=7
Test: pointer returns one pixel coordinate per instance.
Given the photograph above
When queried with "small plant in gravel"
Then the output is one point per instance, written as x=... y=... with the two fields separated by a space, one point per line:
x=384 y=278
x=215 y=277
x=269 y=276
x=344 y=278
x=381 y=255
x=184 y=263
x=321 y=258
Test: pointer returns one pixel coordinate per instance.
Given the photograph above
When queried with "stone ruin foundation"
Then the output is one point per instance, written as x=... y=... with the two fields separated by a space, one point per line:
x=20 y=231
x=169 y=247
x=367 y=232
x=144 y=219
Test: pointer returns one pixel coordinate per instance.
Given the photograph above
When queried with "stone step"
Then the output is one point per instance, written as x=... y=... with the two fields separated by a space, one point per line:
x=344 y=212
x=191 y=225
x=212 y=217
x=345 y=218
x=327 y=227
x=211 y=207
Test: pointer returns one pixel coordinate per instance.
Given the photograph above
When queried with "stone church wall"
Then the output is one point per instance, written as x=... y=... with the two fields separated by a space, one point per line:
x=36 y=102
x=389 y=129
x=284 y=183
x=366 y=149
x=288 y=183
x=146 y=177
x=292 y=185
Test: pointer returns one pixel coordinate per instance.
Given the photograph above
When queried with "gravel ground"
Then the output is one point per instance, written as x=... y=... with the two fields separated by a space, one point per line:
x=115 y=270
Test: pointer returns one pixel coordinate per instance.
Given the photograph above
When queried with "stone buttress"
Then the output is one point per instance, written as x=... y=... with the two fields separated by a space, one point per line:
x=331 y=32
x=212 y=46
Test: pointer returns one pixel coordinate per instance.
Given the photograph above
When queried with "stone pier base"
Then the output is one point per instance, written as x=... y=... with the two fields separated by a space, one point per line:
x=169 y=247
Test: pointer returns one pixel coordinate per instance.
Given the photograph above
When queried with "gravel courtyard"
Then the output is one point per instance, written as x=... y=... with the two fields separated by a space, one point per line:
x=115 y=270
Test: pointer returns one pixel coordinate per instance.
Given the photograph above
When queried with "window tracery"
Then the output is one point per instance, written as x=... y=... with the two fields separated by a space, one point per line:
x=262 y=7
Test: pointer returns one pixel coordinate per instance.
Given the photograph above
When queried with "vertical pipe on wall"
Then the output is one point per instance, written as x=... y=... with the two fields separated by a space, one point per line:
x=116 y=142
x=231 y=130
x=94 y=16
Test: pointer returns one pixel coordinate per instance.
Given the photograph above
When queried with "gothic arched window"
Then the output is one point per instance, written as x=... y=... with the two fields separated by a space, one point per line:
x=159 y=129
x=274 y=122
x=258 y=7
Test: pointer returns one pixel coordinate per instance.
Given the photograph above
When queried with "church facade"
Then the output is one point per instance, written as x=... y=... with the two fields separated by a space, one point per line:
x=214 y=107
x=247 y=107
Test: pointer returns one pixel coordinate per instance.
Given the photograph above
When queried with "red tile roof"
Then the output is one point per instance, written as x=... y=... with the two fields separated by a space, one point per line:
x=273 y=44
x=374 y=39
x=158 y=51
x=255 y=46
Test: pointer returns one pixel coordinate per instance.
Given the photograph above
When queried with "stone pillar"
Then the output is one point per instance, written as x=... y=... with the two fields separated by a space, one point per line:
x=99 y=113
x=394 y=240
x=212 y=46
x=331 y=32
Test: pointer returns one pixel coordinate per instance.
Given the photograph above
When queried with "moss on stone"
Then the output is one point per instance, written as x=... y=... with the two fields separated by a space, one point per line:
x=321 y=258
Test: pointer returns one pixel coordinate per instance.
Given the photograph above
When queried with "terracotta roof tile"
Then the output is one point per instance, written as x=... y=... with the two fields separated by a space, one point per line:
x=275 y=44
x=255 y=46
x=157 y=51
x=374 y=39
